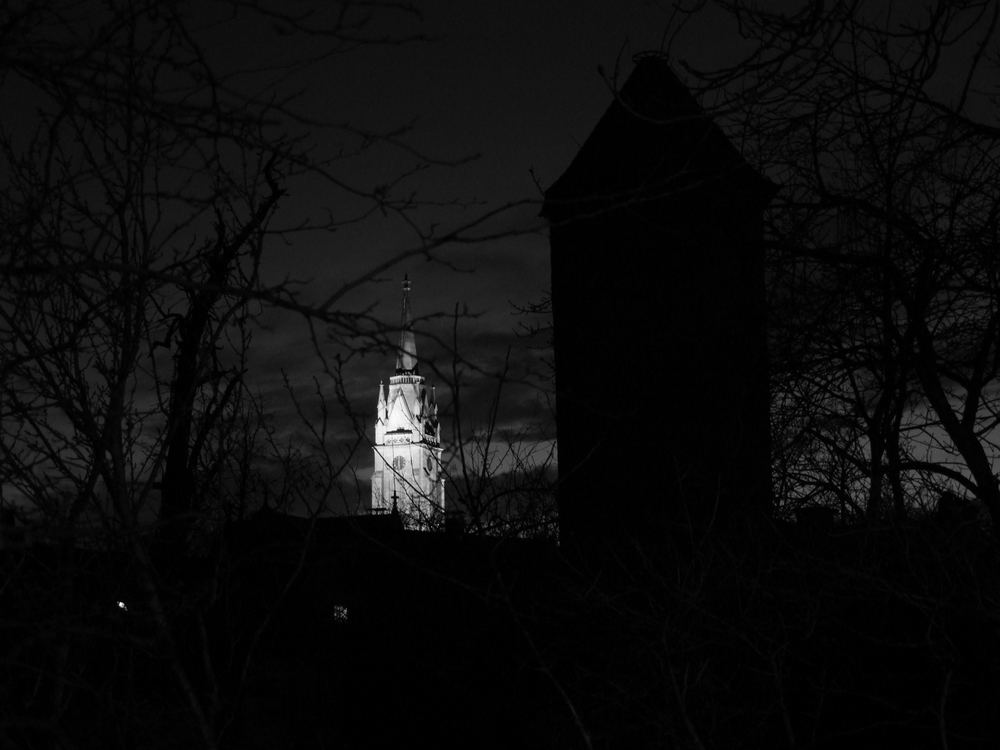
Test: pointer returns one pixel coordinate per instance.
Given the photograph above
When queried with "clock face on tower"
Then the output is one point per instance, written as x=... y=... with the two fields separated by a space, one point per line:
x=399 y=463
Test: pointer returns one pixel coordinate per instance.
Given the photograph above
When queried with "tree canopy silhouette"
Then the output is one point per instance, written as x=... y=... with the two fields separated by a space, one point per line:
x=876 y=121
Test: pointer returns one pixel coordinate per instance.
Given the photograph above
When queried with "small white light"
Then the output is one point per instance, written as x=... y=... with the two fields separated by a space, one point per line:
x=122 y=607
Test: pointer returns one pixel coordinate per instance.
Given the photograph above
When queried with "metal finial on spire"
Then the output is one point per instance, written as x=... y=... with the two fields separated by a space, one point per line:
x=406 y=361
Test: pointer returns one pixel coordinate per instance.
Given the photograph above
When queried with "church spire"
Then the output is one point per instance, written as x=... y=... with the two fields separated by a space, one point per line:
x=406 y=360
x=407 y=476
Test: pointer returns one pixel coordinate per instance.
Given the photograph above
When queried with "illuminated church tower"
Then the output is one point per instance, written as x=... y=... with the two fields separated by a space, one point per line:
x=408 y=439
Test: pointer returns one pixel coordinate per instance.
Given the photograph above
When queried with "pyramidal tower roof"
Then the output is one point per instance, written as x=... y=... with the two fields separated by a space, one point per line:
x=406 y=359
x=654 y=141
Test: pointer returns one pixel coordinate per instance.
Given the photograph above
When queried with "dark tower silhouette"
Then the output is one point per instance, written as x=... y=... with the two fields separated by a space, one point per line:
x=659 y=316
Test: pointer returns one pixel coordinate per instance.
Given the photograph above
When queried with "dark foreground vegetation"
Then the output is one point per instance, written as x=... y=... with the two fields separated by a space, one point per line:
x=355 y=633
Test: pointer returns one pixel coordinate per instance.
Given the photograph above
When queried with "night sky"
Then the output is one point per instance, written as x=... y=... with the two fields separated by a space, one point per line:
x=496 y=100
x=511 y=90
x=491 y=105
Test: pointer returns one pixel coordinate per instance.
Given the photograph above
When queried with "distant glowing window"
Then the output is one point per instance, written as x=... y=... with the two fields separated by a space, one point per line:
x=398 y=463
x=339 y=613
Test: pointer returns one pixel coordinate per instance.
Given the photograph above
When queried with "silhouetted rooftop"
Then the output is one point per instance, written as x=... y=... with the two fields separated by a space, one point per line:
x=654 y=140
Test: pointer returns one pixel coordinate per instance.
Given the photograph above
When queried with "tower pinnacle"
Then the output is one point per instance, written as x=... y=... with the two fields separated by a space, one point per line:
x=406 y=360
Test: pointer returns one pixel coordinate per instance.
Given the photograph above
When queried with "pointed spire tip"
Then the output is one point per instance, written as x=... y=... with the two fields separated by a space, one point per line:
x=406 y=361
